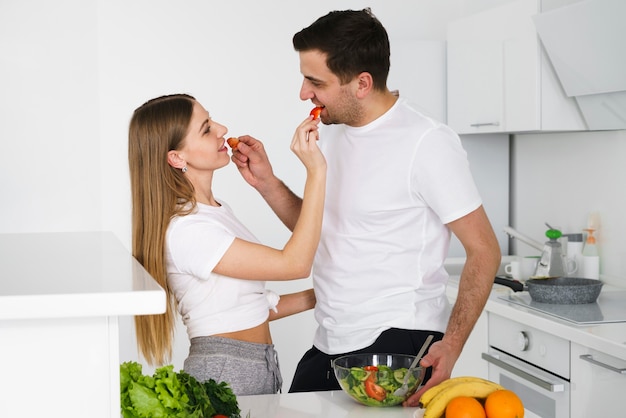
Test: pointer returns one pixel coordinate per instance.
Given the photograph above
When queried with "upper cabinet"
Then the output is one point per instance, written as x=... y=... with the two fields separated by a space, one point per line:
x=500 y=78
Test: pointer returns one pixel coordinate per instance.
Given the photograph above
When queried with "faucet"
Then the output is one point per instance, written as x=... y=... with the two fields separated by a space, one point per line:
x=527 y=240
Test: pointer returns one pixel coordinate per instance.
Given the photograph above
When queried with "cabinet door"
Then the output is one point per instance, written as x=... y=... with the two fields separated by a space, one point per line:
x=598 y=383
x=475 y=85
x=499 y=79
x=493 y=70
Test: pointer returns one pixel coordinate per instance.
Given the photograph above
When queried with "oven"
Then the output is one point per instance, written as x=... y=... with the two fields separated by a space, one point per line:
x=532 y=363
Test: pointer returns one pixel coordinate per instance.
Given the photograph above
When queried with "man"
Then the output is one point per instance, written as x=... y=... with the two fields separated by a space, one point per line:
x=398 y=184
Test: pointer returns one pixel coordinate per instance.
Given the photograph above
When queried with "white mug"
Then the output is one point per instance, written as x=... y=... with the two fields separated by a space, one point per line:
x=513 y=269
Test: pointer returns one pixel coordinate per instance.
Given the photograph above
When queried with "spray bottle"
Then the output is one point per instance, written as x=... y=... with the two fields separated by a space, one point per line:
x=591 y=256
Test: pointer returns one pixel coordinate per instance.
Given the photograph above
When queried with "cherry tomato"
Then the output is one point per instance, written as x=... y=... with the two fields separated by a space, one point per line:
x=373 y=390
x=370 y=368
x=220 y=416
x=233 y=142
x=316 y=112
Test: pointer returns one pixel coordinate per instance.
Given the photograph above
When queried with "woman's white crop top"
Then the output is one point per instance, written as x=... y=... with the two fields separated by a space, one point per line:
x=211 y=303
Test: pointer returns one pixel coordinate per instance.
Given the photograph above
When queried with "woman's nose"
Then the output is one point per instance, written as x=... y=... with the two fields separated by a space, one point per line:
x=222 y=129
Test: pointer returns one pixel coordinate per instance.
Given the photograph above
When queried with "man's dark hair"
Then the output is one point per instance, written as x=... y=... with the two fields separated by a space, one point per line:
x=354 y=41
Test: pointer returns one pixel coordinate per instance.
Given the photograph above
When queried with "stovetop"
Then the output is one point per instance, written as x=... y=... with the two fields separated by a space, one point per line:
x=609 y=308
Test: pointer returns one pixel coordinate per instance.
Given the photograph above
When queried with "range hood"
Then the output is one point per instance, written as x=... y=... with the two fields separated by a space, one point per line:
x=585 y=43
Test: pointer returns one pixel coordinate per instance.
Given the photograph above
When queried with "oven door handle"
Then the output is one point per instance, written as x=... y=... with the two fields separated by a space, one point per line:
x=544 y=384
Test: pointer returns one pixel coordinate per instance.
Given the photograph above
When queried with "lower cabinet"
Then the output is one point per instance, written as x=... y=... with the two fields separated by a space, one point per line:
x=598 y=383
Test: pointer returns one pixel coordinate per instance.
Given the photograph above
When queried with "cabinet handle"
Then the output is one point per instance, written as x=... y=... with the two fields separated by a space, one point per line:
x=478 y=125
x=544 y=384
x=590 y=359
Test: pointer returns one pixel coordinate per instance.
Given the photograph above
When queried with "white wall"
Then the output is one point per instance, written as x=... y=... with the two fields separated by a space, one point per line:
x=560 y=179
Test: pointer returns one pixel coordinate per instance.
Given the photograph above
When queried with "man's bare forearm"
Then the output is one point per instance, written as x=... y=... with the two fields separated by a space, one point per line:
x=285 y=203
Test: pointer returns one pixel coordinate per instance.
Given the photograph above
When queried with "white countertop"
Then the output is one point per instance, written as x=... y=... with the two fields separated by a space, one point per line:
x=73 y=274
x=608 y=338
x=333 y=404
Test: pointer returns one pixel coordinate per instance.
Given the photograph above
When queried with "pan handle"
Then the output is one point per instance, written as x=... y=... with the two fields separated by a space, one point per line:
x=516 y=285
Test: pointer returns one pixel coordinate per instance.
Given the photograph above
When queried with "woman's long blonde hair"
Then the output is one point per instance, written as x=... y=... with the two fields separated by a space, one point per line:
x=159 y=192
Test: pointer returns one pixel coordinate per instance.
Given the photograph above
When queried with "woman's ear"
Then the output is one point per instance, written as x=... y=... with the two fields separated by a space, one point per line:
x=175 y=160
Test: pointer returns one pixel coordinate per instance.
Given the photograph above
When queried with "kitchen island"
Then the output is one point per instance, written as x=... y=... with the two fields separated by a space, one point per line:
x=331 y=404
x=60 y=298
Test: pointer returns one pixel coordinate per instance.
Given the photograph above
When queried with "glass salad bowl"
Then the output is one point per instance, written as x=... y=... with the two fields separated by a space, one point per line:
x=374 y=379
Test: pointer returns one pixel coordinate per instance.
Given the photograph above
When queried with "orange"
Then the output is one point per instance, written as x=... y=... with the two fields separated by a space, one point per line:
x=464 y=407
x=504 y=404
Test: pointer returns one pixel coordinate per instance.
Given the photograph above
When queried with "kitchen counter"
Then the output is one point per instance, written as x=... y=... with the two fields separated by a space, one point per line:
x=607 y=338
x=332 y=404
x=75 y=274
x=60 y=298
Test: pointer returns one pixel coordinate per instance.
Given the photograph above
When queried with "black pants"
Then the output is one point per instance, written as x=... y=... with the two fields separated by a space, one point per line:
x=315 y=373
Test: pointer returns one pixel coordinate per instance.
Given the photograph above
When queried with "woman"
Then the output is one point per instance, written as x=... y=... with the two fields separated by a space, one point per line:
x=212 y=268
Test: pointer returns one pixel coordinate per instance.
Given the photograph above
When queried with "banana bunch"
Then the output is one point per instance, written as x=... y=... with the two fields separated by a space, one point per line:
x=435 y=399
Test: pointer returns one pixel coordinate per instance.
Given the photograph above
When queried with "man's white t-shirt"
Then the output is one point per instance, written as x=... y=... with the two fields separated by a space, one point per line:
x=392 y=186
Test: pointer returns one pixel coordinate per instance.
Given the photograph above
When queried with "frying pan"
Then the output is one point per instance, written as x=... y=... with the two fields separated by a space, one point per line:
x=557 y=290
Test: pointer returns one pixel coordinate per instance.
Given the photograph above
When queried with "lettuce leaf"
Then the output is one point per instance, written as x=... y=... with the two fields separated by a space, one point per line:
x=167 y=394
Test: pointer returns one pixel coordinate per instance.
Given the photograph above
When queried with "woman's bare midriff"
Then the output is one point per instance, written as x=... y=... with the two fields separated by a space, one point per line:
x=259 y=334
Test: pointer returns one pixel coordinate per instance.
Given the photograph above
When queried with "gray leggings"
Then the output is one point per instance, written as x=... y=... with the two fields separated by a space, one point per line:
x=248 y=368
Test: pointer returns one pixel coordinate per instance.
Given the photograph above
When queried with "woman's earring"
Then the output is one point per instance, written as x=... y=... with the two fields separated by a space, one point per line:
x=184 y=169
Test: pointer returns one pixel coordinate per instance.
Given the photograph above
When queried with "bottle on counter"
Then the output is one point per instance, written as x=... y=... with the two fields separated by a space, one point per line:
x=575 y=252
x=591 y=258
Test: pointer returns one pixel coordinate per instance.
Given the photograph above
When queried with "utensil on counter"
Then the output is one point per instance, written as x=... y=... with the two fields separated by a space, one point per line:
x=402 y=390
x=557 y=290
x=553 y=262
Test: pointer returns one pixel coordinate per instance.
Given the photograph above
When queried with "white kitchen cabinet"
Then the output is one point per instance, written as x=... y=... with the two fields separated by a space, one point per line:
x=60 y=299
x=499 y=76
x=598 y=382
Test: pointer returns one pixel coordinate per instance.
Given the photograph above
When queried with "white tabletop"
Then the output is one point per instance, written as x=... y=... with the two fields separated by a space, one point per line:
x=332 y=404
x=73 y=274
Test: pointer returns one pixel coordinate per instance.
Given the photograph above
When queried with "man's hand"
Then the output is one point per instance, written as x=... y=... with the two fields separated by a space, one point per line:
x=441 y=357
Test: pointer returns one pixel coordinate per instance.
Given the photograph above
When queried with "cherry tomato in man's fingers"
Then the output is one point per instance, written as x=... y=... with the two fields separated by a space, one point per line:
x=233 y=142
x=316 y=111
